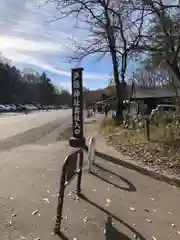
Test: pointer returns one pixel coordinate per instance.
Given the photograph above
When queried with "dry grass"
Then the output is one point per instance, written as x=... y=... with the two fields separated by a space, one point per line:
x=162 y=151
x=92 y=128
x=108 y=126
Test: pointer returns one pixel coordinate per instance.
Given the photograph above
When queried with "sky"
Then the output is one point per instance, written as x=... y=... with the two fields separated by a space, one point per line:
x=30 y=41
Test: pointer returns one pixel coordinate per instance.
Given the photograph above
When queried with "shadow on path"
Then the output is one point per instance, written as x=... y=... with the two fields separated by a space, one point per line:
x=130 y=187
x=112 y=232
x=138 y=168
x=134 y=232
x=62 y=236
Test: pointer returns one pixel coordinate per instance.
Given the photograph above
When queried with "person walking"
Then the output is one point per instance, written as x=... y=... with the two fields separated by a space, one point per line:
x=106 y=110
x=94 y=110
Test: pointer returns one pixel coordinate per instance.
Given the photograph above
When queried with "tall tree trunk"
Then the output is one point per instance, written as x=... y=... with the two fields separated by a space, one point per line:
x=175 y=69
x=112 y=46
x=176 y=80
x=121 y=87
x=119 y=104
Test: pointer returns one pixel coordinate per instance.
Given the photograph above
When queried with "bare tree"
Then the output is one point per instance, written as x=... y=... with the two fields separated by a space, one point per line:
x=163 y=32
x=162 y=37
x=151 y=77
x=112 y=30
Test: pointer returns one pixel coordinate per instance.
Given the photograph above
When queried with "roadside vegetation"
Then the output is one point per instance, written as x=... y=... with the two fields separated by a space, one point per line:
x=28 y=86
x=145 y=33
x=161 y=151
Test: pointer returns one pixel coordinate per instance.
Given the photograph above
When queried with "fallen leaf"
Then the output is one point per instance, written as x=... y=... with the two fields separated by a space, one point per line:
x=70 y=193
x=146 y=210
x=35 y=212
x=76 y=198
x=11 y=198
x=46 y=200
x=132 y=209
x=85 y=219
x=108 y=202
x=149 y=220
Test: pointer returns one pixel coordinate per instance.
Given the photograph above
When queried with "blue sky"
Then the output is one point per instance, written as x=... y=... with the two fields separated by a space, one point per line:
x=29 y=42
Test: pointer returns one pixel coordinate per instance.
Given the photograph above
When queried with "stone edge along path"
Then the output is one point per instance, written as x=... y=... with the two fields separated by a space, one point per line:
x=111 y=155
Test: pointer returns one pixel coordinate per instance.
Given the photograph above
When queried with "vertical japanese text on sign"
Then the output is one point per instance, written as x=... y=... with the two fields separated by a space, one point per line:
x=77 y=103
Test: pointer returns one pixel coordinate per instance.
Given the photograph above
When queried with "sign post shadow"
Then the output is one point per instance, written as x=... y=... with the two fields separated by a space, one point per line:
x=77 y=140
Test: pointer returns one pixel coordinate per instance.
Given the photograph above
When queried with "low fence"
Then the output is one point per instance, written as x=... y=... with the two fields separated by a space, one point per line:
x=73 y=165
x=91 y=153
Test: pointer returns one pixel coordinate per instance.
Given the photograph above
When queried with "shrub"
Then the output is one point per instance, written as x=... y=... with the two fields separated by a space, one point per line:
x=108 y=125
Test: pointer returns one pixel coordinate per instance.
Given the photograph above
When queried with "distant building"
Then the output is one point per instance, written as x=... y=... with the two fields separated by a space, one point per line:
x=150 y=97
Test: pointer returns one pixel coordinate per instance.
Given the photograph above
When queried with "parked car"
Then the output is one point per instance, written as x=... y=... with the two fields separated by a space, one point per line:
x=13 y=107
x=51 y=107
x=30 y=107
x=39 y=106
x=3 y=109
x=7 y=107
x=163 y=108
x=65 y=107
x=20 y=107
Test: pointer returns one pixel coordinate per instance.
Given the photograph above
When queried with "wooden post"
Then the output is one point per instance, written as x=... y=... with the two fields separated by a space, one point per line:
x=78 y=139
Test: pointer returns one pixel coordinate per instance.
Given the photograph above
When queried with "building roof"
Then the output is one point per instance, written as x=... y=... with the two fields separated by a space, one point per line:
x=139 y=93
x=96 y=95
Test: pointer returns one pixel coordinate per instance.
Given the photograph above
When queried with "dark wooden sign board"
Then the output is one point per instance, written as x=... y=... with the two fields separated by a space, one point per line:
x=77 y=108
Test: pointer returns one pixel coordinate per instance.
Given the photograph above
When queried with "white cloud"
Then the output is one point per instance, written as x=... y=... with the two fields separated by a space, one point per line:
x=27 y=41
x=22 y=58
x=20 y=44
x=64 y=85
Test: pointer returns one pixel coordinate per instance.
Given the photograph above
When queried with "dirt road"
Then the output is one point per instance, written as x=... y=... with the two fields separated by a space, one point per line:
x=139 y=207
x=13 y=125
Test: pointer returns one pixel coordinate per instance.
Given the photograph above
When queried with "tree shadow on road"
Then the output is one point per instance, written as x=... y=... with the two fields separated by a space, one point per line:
x=112 y=232
x=62 y=236
x=130 y=187
x=134 y=232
